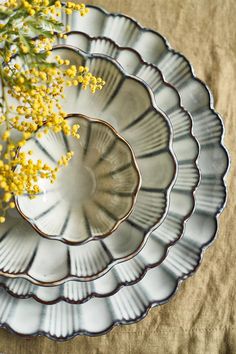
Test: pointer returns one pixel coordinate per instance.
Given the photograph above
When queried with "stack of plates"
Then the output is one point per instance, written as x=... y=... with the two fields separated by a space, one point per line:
x=158 y=204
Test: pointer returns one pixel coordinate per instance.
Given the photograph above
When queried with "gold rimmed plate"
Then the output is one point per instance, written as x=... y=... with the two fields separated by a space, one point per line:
x=93 y=194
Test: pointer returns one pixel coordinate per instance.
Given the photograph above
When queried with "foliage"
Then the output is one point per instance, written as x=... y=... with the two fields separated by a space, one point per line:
x=36 y=86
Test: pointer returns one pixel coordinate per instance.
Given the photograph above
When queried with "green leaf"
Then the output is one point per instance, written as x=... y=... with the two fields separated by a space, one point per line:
x=50 y=24
x=37 y=30
x=5 y=13
x=52 y=2
x=18 y=14
x=3 y=16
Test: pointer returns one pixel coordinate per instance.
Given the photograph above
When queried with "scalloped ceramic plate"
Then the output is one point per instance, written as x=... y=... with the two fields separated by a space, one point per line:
x=106 y=181
x=132 y=303
x=128 y=105
x=181 y=198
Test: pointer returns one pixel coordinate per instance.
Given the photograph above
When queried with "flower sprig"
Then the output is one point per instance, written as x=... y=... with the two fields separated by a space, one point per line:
x=32 y=88
x=23 y=20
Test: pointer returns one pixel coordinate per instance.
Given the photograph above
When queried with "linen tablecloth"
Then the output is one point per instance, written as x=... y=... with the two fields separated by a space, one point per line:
x=201 y=317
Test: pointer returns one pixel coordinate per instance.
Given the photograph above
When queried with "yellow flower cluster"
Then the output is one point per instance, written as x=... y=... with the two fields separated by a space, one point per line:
x=43 y=44
x=19 y=175
x=38 y=94
x=35 y=6
x=37 y=91
x=39 y=10
x=70 y=7
x=81 y=75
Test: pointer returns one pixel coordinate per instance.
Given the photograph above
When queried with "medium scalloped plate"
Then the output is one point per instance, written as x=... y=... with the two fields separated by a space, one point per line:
x=127 y=103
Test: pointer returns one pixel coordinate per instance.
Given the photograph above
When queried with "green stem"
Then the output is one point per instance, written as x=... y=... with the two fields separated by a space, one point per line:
x=4 y=98
x=7 y=110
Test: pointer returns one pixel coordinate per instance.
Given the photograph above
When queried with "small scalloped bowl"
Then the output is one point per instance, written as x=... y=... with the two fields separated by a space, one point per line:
x=93 y=194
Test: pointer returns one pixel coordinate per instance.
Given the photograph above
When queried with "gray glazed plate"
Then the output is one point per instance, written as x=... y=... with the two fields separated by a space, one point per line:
x=181 y=197
x=132 y=303
x=128 y=105
x=102 y=172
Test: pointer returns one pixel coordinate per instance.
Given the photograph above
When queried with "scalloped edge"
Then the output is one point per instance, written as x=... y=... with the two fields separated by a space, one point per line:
x=202 y=249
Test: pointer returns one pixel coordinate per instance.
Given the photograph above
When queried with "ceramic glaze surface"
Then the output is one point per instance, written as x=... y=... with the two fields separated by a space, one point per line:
x=181 y=198
x=93 y=194
x=132 y=303
x=128 y=105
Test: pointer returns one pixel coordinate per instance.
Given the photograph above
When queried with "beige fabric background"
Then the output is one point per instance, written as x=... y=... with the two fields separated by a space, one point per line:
x=201 y=317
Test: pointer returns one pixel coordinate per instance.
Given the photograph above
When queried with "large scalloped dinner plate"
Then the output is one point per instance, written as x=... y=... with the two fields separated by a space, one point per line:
x=99 y=315
x=181 y=204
